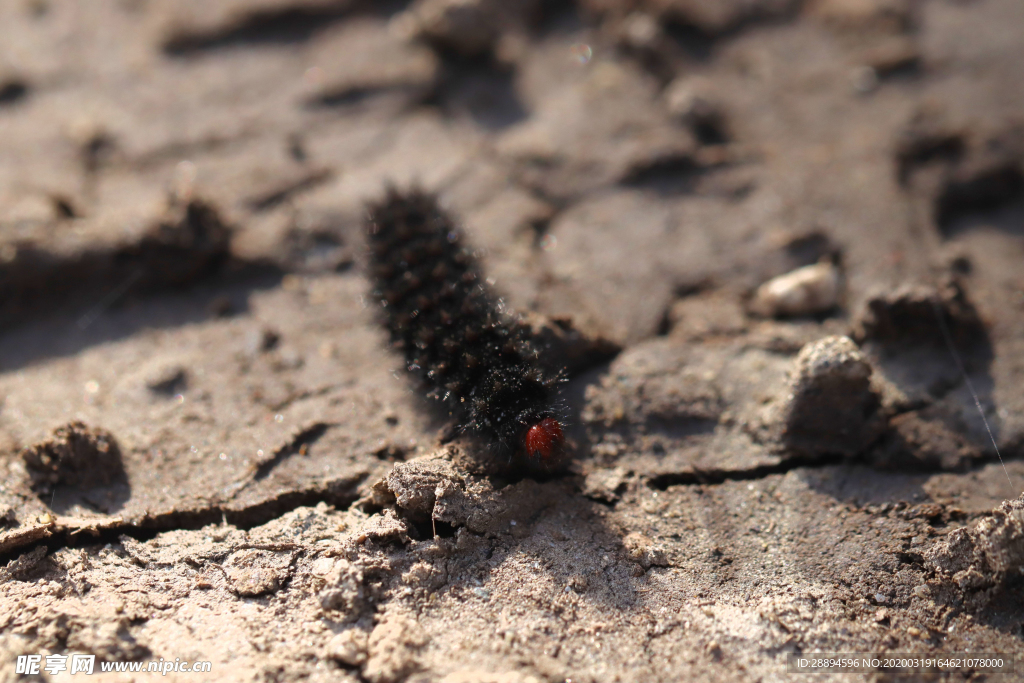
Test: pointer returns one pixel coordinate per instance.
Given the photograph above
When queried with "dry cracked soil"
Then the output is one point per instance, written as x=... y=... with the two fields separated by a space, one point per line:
x=776 y=245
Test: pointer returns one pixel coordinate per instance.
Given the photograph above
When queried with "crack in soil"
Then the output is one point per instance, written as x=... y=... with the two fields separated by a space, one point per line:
x=60 y=532
x=343 y=494
x=702 y=477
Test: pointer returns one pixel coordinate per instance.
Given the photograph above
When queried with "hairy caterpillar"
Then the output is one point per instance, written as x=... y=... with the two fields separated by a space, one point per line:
x=457 y=340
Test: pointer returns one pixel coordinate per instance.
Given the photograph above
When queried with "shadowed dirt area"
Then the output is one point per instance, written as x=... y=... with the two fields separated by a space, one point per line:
x=776 y=246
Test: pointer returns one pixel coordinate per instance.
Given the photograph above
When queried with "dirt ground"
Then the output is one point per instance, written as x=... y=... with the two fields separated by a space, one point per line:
x=210 y=454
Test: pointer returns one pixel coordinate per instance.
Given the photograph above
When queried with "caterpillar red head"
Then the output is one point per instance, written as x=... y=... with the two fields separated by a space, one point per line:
x=544 y=441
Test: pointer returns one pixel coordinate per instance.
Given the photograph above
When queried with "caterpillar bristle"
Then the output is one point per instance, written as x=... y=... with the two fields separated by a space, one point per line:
x=458 y=344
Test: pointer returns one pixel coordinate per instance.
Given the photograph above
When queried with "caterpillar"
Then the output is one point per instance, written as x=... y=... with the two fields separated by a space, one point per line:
x=458 y=340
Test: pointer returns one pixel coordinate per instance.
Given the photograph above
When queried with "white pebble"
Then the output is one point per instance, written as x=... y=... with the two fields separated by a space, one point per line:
x=804 y=291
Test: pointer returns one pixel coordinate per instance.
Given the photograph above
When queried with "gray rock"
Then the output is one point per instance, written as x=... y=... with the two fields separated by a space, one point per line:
x=831 y=407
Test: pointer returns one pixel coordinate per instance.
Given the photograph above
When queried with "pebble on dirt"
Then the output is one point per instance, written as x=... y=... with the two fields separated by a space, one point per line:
x=831 y=408
x=810 y=290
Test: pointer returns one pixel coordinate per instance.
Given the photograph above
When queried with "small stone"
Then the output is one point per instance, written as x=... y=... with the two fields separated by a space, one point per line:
x=810 y=290
x=644 y=552
x=349 y=647
x=831 y=407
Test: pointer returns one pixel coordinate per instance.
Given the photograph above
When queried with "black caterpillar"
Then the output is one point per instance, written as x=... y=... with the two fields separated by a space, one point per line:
x=473 y=360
